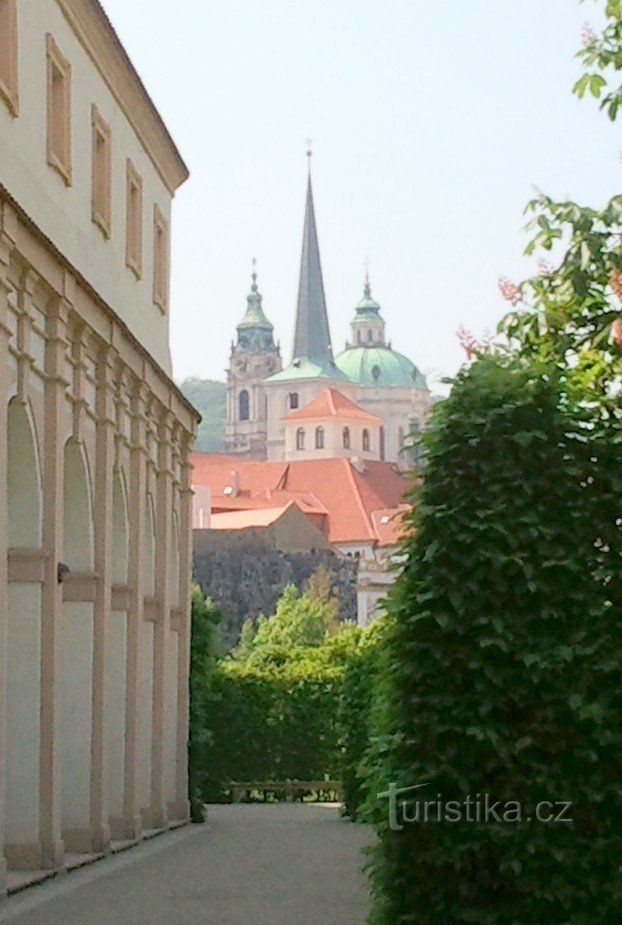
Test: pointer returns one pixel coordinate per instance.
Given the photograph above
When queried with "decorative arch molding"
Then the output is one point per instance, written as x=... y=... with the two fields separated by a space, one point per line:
x=149 y=547
x=120 y=529
x=174 y=562
x=23 y=478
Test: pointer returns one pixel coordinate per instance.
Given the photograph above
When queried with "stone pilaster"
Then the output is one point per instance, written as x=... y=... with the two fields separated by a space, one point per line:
x=164 y=512
x=181 y=808
x=136 y=516
x=5 y=249
x=104 y=462
x=51 y=597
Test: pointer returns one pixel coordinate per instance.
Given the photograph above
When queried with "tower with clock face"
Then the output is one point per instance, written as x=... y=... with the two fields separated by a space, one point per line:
x=254 y=357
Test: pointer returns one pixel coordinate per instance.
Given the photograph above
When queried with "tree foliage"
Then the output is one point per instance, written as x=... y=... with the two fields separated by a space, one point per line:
x=271 y=710
x=209 y=398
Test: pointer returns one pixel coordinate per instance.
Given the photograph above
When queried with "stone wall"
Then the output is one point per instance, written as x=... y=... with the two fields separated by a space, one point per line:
x=248 y=581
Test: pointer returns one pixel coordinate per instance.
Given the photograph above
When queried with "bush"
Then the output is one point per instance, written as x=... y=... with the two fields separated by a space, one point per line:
x=504 y=674
x=360 y=690
x=272 y=708
x=203 y=646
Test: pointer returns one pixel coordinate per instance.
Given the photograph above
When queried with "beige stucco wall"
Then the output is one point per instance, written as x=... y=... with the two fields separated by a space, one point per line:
x=333 y=439
x=63 y=213
x=93 y=671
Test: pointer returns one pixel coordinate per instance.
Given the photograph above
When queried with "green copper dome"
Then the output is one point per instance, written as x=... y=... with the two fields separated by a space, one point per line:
x=254 y=317
x=380 y=366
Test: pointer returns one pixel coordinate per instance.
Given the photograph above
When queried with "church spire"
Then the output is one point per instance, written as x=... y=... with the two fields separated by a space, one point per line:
x=312 y=337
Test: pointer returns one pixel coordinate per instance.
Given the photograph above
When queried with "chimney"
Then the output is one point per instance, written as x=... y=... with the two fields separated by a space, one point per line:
x=201 y=507
x=235 y=484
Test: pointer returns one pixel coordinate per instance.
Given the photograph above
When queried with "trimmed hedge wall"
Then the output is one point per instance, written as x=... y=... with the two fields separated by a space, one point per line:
x=271 y=724
x=504 y=666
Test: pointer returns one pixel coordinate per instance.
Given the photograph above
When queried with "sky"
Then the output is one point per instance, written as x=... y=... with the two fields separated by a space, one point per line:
x=431 y=124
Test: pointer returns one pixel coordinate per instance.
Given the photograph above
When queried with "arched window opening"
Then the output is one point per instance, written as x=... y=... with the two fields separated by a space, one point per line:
x=293 y=400
x=300 y=439
x=319 y=438
x=346 y=438
x=120 y=531
x=369 y=335
x=382 y=444
x=23 y=479
x=358 y=337
x=366 y=441
x=244 y=405
x=77 y=510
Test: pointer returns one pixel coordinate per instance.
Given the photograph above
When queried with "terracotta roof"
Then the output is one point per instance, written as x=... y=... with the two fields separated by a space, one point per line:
x=345 y=497
x=331 y=403
x=238 y=520
x=389 y=524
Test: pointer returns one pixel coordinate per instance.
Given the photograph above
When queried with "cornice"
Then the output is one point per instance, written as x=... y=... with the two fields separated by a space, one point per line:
x=100 y=41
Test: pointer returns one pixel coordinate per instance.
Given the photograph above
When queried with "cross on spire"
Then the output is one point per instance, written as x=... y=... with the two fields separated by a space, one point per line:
x=367 y=282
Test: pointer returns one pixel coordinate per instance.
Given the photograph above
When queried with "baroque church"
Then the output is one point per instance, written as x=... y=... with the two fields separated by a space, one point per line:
x=362 y=404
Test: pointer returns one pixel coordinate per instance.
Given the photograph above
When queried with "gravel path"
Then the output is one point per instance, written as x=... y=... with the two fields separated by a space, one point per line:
x=280 y=864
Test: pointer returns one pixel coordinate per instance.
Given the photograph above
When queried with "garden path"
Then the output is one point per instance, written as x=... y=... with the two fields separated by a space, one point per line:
x=252 y=864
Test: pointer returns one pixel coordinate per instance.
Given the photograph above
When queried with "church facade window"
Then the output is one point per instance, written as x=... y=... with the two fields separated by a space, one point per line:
x=319 y=438
x=382 y=445
x=244 y=405
x=346 y=438
x=366 y=443
x=293 y=400
x=300 y=439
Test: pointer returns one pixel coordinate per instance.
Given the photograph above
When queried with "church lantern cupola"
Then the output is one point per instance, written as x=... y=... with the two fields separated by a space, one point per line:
x=254 y=357
x=368 y=324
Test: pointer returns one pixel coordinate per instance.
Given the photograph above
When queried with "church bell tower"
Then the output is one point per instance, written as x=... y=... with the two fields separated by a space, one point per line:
x=254 y=357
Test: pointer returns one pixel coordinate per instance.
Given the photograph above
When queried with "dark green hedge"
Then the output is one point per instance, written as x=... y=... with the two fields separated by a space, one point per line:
x=359 y=691
x=271 y=724
x=505 y=673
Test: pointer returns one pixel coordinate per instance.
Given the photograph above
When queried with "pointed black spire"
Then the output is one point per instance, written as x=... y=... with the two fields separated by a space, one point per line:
x=312 y=337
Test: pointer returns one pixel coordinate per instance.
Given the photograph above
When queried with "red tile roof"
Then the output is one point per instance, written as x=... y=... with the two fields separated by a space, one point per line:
x=331 y=403
x=389 y=524
x=345 y=497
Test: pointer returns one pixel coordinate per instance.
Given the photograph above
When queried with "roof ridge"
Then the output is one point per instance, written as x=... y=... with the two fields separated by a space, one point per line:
x=366 y=518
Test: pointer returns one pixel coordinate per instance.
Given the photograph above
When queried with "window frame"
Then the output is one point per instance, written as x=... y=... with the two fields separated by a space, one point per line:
x=161 y=259
x=244 y=404
x=101 y=212
x=56 y=63
x=300 y=438
x=133 y=235
x=319 y=437
x=346 y=438
x=366 y=440
x=9 y=78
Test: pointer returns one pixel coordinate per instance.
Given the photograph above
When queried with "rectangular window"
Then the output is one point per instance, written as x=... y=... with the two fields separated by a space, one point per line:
x=100 y=193
x=134 y=221
x=8 y=54
x=160 y=259
x=59 y=111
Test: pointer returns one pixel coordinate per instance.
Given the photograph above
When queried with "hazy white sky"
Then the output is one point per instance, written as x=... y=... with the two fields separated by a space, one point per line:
x=430 y=120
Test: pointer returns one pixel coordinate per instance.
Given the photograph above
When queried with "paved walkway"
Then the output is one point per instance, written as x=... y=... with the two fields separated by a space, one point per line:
x=280 y=864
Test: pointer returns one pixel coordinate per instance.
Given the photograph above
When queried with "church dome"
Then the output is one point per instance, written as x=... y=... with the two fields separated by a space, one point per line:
x=380 y=366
